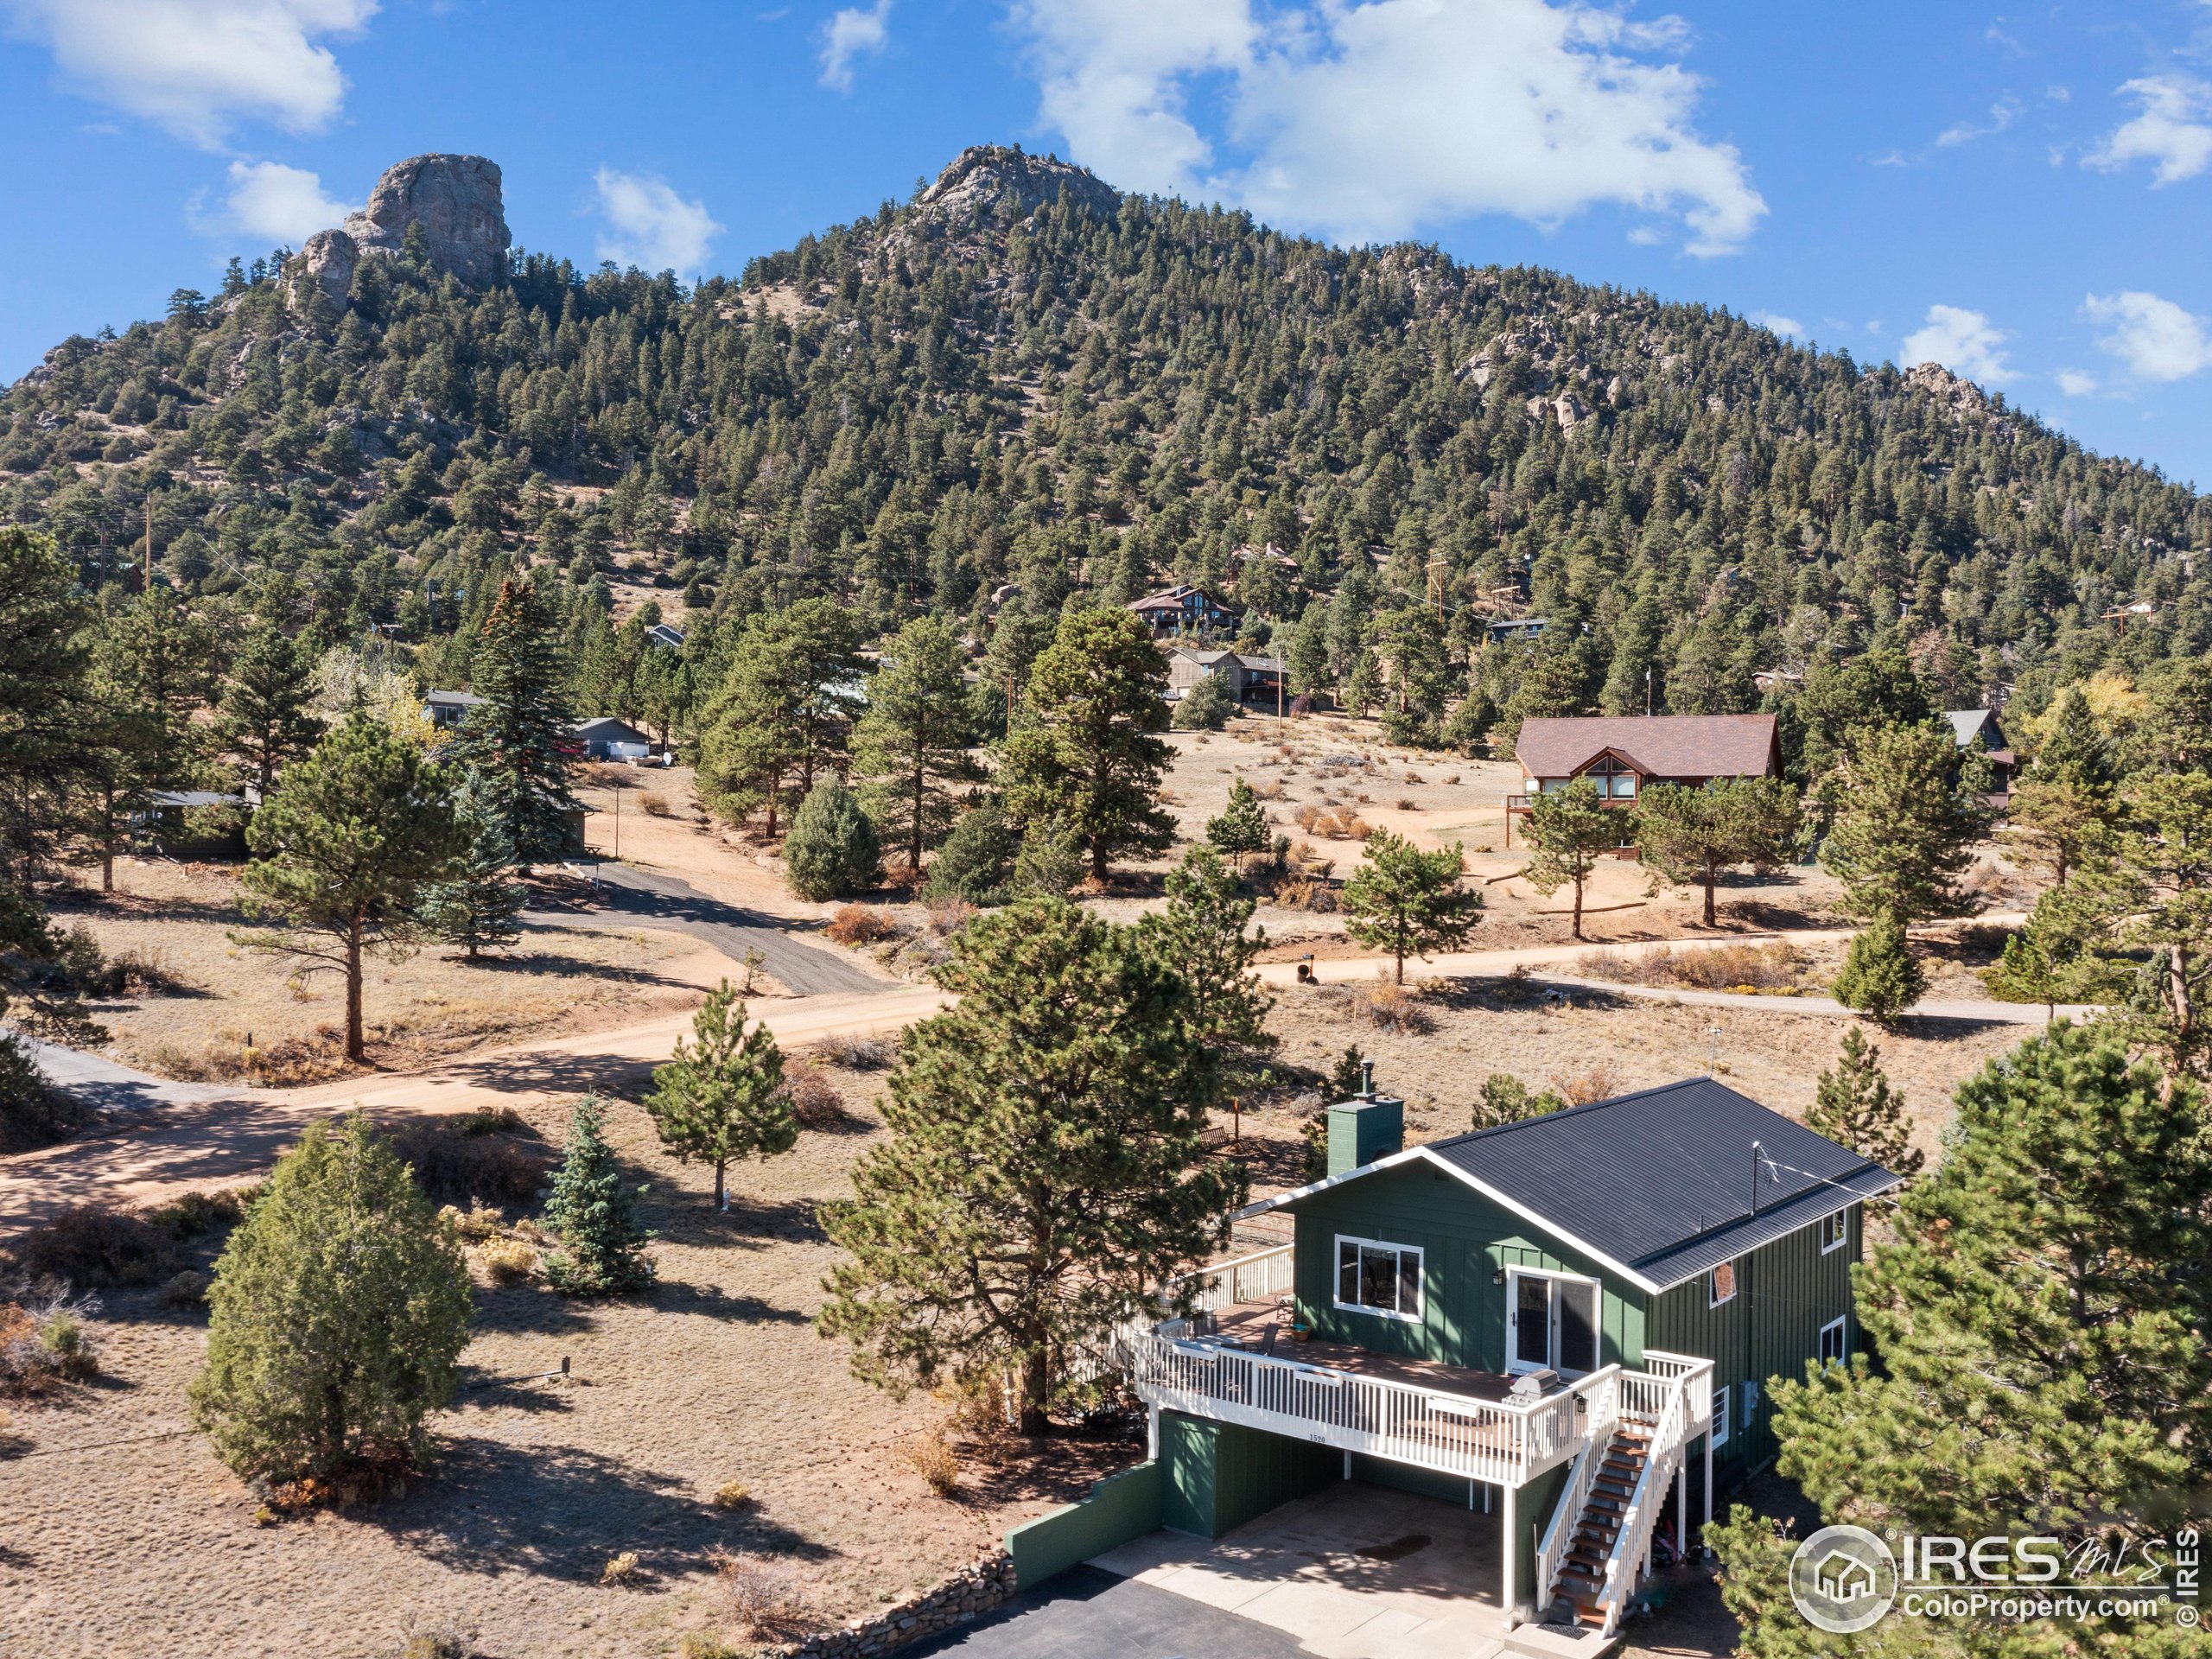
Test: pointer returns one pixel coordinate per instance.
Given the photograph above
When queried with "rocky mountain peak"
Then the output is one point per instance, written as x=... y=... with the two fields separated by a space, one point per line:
x=455 y=199
x=990 y=175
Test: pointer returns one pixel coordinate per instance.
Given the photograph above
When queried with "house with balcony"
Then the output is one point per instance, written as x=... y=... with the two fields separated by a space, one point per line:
x=1567 y=1323
x=1184 y=611
x=1977 y=728
x=1624 y=755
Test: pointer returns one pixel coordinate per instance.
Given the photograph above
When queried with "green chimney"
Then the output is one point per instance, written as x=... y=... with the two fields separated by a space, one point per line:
x=1367 y=1126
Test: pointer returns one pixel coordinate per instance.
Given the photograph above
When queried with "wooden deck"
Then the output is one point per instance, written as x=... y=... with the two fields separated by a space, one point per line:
x=1249 y=1323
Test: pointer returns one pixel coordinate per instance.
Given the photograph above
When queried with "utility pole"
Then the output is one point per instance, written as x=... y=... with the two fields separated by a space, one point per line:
x=1646 y=690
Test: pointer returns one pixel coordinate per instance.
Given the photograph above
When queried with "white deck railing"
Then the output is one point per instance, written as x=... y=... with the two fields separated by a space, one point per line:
x=1253 y=1278
x=1502 y=1442
x=1677 y=1422
x=1581 y=1481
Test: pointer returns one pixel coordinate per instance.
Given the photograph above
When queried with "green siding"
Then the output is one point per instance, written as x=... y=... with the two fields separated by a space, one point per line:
x=1221 y=1475
x=1405 y=1478
x=1785 y=1292
x=1532 y=1513
x=1120 y=1508
x=1466 y=1240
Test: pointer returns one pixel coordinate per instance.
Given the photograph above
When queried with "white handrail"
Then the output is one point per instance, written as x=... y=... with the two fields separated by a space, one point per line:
x=1672 y=1430
x=1245 y=1279
x=1581 y=1481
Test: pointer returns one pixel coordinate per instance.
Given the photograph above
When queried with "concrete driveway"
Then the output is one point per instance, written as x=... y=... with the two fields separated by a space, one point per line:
x=1088 y=1613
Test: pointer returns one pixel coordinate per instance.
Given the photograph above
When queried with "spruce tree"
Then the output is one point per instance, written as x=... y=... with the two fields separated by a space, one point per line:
x=265 y=721
x=1688 y=836
x=1242 y=829
x=1910 y=809
x=722 y=1097
x=520 y=737
x=339 y=1306
x=912 y=743
x=2045 y=1366
x=344 y=851
x=593 y=1212
x=479 y=904
x=1880 y=977
x=832 y=851
x=1855 y=1107
x=1408 y=902
x=1568 y=831
x=1087 y=751
x=1044 y=1171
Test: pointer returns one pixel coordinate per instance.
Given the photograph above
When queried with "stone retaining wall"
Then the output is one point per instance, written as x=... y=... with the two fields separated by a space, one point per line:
x=973 y=1590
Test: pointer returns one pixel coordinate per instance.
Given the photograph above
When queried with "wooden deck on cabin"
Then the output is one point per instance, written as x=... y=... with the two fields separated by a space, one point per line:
x=1249 y=1323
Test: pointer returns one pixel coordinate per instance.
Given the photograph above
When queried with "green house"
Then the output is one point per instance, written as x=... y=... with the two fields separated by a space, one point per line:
x=1569 y=1321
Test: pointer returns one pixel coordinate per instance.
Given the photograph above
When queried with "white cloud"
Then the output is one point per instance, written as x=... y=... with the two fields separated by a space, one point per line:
x=2002 y=114
x=848 y=35
x=650 y=226
x=1367 y=118
x=279 y=203
x=2157 y=339
x=1779 y=324
x=2076 y=383
x=1963 y=341
x=196 y=66
x=2174 y=129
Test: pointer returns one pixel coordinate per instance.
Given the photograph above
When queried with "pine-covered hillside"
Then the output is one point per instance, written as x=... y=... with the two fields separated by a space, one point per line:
x=1020 y=383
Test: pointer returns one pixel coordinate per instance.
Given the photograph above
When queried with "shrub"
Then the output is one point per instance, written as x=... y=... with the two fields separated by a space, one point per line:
x=815 y=1104
x=932 y=1457
x=33 y=1112
x=833 y=848
x=1596 y=1083
x=1207 y=707
x=733 y=1494
x=472 y=1158
x=949 y=913
x=858 y=924
x=761 y=1592
x=654 y=806
x=340 y=1306
x=42 y=1350
x=697 y=1644
x=858 y=1053
x=189 y=1215
x=977 y=858
x=509 y=1261
x=90 y=1246
x=593 y=1212
x=436 y=1644
x=1505 y=1099
x=1390 y=1008
x=186 y=1289
x=620 y=1571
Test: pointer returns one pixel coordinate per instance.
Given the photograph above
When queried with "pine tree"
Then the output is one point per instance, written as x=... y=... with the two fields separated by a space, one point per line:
x=1408 y=902
x=1204 y=934
x=338 y=1309
x=2045 y=1368
x=785 y=712
x=722 y=1097
x=1855 y=1107
x=977 y=857
x=1505 y=1099
x=1089 y=753
x=1049 y=862
x=912 y=743
x=2154 y=894
x=1688 y=836
x=519 y=737
x=1044 y=1171
x=265 y=719
x=832 y=851
x=2060 y=954
x=1910 y=810
x=2063 y=806
x=1880 y=977
x=593 y=1212
x=1569 y=831
x=1242 y=829
x=344 y=851
x=479 y=904
x=164 y=662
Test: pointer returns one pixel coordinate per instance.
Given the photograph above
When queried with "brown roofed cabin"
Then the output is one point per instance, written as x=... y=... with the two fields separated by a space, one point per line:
x=1624 y=755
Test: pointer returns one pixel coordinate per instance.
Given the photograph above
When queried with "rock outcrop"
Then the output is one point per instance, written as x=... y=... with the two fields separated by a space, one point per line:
x=991 y=175
x=456 y=200
x=326 y=264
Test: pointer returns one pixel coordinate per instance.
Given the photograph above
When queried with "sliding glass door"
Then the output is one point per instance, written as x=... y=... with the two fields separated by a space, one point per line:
x=1552 y=1322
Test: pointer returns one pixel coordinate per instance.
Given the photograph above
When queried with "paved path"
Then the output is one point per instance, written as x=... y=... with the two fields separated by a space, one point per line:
x=628 y=894
x=1985 y=1011
x=103 y=1084
x=1088 y=1613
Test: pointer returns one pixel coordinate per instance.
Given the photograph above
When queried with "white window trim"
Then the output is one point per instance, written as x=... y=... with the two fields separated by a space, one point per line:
x=1514 y=1364
x=1421 y=1279
x=1839 y=1325
x=1842 y=1219
x=1712 y=1280
x=1721 y=1417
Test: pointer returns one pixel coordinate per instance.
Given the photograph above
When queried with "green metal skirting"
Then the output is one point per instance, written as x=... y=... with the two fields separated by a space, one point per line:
x=1120 y=1508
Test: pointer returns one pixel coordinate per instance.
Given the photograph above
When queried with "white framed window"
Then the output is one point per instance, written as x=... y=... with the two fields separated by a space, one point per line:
x=1720 y=1285
x=1720 y=1418
x=1832 y=1347
x=1373 y=1277
x=1836 y=1231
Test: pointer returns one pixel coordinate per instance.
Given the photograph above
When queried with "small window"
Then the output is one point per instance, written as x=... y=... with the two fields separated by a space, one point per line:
x=1623 y=785
x=1831 y=1344
x=1378 y=1278
x=1719 y=1417
x=1836 y=1231
x=1720 y=1285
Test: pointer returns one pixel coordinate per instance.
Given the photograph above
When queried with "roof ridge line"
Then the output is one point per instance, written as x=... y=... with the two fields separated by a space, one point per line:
x=1588 y=1106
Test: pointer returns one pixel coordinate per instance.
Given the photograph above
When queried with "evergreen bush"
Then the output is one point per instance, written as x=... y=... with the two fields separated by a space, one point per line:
x=833 y=850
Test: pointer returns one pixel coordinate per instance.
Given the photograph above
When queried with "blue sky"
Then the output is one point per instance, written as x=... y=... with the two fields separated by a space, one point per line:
x=2022 y=195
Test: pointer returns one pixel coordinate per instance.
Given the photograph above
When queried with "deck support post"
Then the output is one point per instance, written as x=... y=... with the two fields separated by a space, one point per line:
x=1682 y=1513
x=1708 y=1465
x=1511 y=1536
x=1152 y=1433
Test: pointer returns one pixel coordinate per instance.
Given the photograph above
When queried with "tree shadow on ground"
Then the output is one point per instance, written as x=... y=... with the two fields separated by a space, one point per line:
x=1060 y=1467
x=745 y=1225
x=559 y=1512
x=535 y=1308
x=1271 y=1163
x=713 y=1302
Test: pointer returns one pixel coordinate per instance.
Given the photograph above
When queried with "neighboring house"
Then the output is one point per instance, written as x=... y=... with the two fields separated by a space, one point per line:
x=1250 y=679
x=165 y=815
x=1624 y=754
x=446 y=710
x=662 y=634
x=608 y=739
x=1521 y=627
x=1184 y=610
x=1569 y=1321
x=1972 y=725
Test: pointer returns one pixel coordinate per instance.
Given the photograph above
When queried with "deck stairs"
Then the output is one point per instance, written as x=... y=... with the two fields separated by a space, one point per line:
x=1584 y=1576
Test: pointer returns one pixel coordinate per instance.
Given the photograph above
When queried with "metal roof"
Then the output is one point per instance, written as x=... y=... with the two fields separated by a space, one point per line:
x=1657 y=1186
x=1664 y=1180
